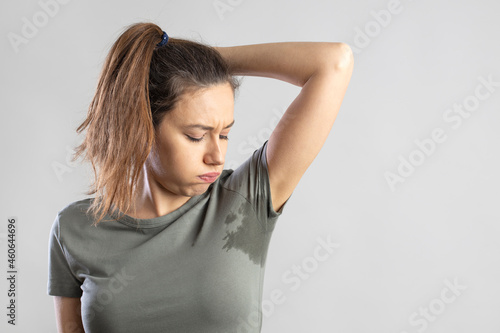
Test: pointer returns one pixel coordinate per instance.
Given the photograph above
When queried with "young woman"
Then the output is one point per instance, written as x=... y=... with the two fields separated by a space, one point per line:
x=172 y=242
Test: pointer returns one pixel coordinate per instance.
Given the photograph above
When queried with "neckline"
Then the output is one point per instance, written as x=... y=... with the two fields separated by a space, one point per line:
x=160 y=220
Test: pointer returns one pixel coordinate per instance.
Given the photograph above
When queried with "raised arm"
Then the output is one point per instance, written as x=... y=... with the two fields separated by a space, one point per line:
x=323 y=70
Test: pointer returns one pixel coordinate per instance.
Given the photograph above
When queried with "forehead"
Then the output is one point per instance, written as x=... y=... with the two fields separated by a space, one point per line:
x=212 y=104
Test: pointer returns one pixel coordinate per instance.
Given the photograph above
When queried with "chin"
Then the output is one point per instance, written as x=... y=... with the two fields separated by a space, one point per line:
x=199 y=189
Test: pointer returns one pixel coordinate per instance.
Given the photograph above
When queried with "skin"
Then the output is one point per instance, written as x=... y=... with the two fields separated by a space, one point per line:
x=170 y=174
x=68 y=314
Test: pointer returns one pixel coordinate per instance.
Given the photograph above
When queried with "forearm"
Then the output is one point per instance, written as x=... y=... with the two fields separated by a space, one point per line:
x=293 y=62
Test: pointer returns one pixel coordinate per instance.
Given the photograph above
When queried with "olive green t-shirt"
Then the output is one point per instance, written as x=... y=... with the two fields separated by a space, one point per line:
x=199 y=268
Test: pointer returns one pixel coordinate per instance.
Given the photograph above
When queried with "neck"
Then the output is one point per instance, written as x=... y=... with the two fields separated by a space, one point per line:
x=152 y=199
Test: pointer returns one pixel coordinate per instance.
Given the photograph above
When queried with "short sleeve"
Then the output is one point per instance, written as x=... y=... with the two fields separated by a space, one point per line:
x=251 y=180
x=61 y=280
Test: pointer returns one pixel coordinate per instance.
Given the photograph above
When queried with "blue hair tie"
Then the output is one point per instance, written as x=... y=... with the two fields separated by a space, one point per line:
x=164 y=40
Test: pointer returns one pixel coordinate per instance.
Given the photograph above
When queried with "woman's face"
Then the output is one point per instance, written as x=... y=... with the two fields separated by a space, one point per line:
x=179 y=161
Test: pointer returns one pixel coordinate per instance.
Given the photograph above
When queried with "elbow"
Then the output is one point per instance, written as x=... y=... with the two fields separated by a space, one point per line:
x=335 y=58
x=342 y=57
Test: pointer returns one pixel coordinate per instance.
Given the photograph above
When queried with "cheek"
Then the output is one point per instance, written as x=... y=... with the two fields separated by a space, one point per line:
x=179 y=159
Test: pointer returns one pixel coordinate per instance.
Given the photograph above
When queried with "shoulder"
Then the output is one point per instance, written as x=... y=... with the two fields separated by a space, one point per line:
x=249 y=174
x=75 y=208
x=72 y=216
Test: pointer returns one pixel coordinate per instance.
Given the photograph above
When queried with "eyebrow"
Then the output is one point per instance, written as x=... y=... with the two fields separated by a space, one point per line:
x=204 y=127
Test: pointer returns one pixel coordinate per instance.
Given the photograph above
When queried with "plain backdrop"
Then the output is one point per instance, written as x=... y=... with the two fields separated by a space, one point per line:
x=405 y=187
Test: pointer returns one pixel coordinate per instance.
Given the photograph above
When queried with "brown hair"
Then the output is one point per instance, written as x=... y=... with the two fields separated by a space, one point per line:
x=138 y=85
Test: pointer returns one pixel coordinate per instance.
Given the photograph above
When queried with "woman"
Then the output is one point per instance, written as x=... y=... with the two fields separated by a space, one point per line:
x=172 y=242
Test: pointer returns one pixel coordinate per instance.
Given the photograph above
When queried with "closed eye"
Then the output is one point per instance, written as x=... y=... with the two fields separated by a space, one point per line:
x=223 y=137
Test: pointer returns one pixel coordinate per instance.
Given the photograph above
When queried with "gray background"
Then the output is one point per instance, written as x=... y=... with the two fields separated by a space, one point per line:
x=399 y=247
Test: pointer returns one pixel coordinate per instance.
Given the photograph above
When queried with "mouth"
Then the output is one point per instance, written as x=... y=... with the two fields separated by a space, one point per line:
x=209 y=177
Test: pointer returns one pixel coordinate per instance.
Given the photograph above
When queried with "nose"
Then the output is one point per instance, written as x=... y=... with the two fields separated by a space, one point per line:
x=214 y=154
